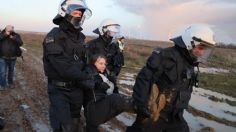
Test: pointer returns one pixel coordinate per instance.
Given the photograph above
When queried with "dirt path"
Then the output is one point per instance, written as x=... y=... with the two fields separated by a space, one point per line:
x=25 y=106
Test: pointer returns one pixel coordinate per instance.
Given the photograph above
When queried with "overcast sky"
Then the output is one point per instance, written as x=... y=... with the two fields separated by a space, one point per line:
x=145 y=19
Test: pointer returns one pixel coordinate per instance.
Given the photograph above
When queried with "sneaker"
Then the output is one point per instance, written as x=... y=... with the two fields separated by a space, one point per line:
x=2 y=123
x=11 y=86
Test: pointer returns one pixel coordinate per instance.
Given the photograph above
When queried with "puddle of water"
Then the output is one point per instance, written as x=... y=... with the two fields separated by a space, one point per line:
x=40 y=127
x=109 y=128
x=196 y=123
x=127 y=79
x=127 y=82
x=126 y=118
x=215 y=108
x=213 y=70
x=129 y=75
x=211 y=93
x=24 y=106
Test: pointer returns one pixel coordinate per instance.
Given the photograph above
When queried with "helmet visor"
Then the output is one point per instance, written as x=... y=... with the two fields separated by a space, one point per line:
x=113 y=34
x=202 y=52
x=113 y=28
x=75 y=8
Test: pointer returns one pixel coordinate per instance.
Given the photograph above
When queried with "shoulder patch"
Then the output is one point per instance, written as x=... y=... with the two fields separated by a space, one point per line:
x=49 y=40
x=157 y=50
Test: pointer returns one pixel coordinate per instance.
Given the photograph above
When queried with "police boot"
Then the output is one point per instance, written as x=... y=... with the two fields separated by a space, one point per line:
x=90 y=128
x=76 y=127
x=138 y=125
x=2 y=123
x=67 y=128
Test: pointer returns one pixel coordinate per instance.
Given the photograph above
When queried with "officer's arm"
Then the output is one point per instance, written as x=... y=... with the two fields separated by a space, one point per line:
x=144 y=79
x=116 y=60
x=89 y=50
x=63 y=64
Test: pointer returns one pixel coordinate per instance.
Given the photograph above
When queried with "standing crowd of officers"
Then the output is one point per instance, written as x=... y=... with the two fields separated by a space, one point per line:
x=84 y=74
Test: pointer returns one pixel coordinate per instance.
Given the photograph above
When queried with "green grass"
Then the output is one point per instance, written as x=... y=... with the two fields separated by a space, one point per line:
x=34 y=46
x=220 y=61
x=222 y=83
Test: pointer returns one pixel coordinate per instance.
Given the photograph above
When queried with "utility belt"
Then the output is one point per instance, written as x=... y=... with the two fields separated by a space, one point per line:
x=68 y=86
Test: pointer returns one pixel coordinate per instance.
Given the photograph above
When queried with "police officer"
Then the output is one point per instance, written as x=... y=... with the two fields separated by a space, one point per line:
x=102 y=45
x=117 y=58
x=172 y=69
x=64 y=59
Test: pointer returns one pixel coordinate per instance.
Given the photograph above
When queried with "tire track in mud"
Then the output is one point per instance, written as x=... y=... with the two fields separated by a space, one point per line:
x=33 y=82
x=30 y=95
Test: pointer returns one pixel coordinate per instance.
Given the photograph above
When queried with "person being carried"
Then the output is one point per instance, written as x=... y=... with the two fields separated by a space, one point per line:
x=107 y=30
x=100 y=103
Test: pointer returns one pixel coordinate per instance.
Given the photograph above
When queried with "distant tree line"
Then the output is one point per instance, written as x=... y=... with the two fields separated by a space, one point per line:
x=228 y=46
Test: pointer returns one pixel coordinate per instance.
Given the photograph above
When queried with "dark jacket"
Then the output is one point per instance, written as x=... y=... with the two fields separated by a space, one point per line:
x=115 y=59
x=173 y=74
x=94 y=89
x=10 y=47
x=100 y=46
x=64 y=54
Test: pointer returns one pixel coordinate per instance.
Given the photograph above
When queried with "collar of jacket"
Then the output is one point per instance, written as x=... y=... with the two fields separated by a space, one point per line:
x=68 y=27
x=187 y=55
x=103 y=40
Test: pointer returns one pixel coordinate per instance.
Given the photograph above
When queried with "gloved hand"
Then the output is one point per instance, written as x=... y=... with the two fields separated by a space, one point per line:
x=102 y=86
x=142 y=111
x=87 y=84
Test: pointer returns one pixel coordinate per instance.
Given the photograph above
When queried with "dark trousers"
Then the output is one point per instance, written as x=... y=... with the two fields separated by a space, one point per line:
x=174 y=125
x=4 y=65
x=65 y=106
x=99 y=112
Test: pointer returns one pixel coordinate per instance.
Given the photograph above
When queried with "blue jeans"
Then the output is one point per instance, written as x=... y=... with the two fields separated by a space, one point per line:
x=4 y=65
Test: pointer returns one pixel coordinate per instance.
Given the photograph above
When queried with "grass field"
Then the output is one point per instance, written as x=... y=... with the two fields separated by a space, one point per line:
x=137 y=51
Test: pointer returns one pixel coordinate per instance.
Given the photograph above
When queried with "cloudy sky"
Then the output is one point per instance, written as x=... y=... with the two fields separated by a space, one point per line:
x=145 y=19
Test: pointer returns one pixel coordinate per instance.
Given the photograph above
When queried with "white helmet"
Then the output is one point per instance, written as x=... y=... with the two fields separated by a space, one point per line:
x=195 y=35
x=67 y=6
x=108 y=25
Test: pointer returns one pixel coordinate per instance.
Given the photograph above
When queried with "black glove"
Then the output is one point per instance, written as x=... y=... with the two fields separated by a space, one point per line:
x=142 y=111
x=102 y=86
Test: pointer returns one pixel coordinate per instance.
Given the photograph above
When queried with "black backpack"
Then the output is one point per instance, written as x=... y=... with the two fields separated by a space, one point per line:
x=18 y=52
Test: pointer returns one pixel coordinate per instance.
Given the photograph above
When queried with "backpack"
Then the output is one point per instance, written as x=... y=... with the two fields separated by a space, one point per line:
x=18 y=52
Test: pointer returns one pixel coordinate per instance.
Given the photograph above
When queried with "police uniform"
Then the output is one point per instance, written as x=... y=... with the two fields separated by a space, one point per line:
x=102 y=46
x=64 y=59
x=172 y=69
